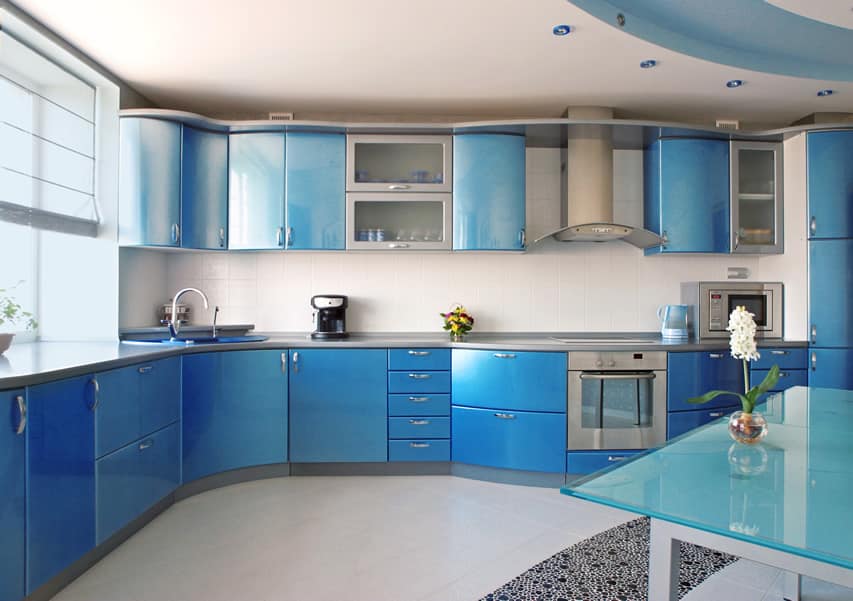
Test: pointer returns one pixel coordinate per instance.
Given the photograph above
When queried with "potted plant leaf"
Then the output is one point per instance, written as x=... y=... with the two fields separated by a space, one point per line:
x=11 y=312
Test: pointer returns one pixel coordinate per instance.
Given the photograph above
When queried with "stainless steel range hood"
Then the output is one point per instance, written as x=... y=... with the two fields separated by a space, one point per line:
x=588 y=213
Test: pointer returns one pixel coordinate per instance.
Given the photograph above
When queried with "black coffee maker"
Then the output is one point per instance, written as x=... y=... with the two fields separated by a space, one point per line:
x=330 y=321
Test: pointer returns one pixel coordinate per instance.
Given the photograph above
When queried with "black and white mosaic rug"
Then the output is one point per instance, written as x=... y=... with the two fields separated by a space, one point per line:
x=610 y=566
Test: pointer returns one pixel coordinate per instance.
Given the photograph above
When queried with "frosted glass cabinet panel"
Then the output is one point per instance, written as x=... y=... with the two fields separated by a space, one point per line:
x=398 y=221
x=756 y=177
x=378 y=163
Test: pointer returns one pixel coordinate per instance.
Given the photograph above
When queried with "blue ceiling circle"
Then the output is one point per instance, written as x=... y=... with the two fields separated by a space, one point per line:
x=751 y=34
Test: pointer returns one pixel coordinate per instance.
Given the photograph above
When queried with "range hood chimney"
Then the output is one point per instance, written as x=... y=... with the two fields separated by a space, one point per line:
x=588 y=215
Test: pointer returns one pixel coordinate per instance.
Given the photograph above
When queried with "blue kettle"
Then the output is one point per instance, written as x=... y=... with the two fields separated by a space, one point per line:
x=673 y=322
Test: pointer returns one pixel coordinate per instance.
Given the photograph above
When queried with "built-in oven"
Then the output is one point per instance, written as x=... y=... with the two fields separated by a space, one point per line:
x=711 y=303
x=616 y=400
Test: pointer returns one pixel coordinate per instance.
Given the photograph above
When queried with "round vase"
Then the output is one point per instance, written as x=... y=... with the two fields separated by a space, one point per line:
x=457 y=337
x=5 y=342
x=747 y=428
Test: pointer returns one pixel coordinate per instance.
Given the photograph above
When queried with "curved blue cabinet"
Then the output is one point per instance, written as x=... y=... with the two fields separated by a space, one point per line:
x=204 y=189
x=149 y=182
x=256 y=191
x=234 y=411
x=60 y=477
x=830 y=290
x=687 y=195
x=13 y=461
x=315 y=194
x=338 y=405
x=830 y=184
x=488 y=192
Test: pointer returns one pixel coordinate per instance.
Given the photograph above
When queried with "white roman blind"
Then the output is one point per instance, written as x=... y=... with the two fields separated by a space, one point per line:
x=47 y=143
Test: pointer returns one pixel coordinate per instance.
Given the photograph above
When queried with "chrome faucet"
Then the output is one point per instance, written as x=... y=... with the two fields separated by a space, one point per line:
x=174 y=325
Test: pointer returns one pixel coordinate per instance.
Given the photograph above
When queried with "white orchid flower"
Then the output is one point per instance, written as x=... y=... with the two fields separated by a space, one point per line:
x=742 y=340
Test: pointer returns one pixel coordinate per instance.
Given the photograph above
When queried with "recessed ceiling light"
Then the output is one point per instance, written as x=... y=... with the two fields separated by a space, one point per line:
x=826 y=92
x=562 y=29
x=734 y=83
x=648 y=64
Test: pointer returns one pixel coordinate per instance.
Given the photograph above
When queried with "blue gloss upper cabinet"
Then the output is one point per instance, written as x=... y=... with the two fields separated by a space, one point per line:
x=315 y=195
x=488 y=192
x=256 y=191
x=149 y=182
x=234 y=411
x=830 y=184
x=687 y=195
x=12 y=494
x=830 y=287
x=204 y=189
x=338 y=405
x=61 y=476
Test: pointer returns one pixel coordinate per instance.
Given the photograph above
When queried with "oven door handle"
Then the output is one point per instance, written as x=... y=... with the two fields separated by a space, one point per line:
x=640 y=376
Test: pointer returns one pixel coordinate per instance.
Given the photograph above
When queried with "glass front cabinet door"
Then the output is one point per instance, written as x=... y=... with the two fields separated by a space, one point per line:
x=398 y=163
x=756 y=213
x=399 y=221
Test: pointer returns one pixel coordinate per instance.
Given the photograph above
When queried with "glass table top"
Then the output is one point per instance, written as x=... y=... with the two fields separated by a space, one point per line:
x=792 y=492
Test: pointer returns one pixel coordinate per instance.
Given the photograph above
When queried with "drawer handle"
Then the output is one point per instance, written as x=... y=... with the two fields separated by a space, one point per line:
x=419 y=445
x=419 y=422
x=419 y=399
x=615 y=458
x=504 y=355
x=780 y=352
x=715 y=355
x=783 y=374
x=420 y=376
x=146 y=369
x=716 y=414
x=398 y=187
x=398 y=245
x=505 y=415
x=145 y=444
x=419 y=353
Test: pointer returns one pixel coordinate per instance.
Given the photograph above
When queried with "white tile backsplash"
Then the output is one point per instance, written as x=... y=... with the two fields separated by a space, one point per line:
x=553 y=287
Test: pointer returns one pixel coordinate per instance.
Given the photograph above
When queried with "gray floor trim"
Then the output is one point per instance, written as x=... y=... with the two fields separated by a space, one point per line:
x=247 y=474
x=504 y=476
x=403 y=468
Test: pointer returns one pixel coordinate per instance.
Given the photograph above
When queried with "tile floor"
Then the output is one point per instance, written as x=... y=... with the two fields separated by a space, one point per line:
x=423 y=538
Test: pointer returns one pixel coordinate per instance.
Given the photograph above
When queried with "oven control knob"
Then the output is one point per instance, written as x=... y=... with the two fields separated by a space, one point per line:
x=612 y=363
x=599 y=363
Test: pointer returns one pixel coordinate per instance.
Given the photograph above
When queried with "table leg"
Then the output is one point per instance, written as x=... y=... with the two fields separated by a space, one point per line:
x=791 y=586
x=664 y=563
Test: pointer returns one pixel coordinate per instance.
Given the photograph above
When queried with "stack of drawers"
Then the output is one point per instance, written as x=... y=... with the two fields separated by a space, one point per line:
x=419 y=404
x=793 y=367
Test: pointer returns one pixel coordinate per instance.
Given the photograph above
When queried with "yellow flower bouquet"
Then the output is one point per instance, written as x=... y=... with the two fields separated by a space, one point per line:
x=458 y=322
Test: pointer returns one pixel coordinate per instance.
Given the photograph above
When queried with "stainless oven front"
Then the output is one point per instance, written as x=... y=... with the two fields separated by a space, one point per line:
x=616 y=400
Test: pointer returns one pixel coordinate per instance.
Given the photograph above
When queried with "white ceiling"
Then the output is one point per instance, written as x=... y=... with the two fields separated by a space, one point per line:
x=471 y=57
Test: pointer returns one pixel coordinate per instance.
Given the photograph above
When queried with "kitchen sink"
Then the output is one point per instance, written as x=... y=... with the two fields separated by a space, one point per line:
x=200 y=340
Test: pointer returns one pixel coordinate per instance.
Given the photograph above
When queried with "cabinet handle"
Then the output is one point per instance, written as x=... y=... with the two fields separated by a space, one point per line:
x=176 y=232
x=295 y=362
x=97 y=396
x=813 y=224
x=419 y=422
x=715 y=355
x=780 y=352
x=420 y=376
x=399 y=187
x=614 y=458
x=505 y=415
x=419 y=353
x=504 y=355
x=146 y=444
x=284 y=363
x=664 y=239
x=814 y=361
x=279 y=236
x=289 y=237
x=222 y=237
x=522 y=238
x=22 y=414
x=716 y=414
x=398 y=245
x=419 y=399
x=145 y=369
x=814 y=333
x=419 y=445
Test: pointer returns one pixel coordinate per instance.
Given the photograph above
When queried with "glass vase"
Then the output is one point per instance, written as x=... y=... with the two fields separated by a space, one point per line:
x=457 y=337
x=747 y=428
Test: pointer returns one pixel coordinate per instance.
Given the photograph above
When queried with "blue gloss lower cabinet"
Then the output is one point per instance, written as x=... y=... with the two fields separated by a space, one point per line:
x=679 y=422
x=418 y=404
x=338 y=405
x=133 y=478
x=694 y=373
x=234 y=411
x=521 y=440
x=830 y=368
x=587 y=462
x=419 y=450
x=787 y=378
x=415 y=382
x=419 y=359
x=12 y=494
x=418 y=427
x=61 y=476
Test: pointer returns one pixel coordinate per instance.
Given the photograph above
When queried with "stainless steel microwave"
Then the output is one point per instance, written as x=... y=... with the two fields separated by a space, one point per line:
x=711 y=303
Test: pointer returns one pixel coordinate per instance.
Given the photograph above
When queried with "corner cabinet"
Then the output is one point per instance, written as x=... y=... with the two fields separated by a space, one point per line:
x=488 y=192
x=13 y=460
x=204 y=189
x=687 y=195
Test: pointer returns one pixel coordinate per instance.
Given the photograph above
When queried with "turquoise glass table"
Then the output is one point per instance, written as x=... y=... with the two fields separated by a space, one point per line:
x=786 y=502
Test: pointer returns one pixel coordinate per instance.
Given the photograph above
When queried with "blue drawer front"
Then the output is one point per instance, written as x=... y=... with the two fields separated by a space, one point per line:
x=418 y=404
x=830 y=368
x=695 y=373
x=684 y=421
x=418 y=381
x=435 y=359
x=787 y=378
x=419 y=427
x=785 y=358
x=524 y=381
x=419 y=450
x=518 y=440
x=135 y=477
x=587 y=462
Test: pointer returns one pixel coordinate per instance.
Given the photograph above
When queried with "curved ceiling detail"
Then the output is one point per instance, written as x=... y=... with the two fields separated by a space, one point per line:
x=752 y=34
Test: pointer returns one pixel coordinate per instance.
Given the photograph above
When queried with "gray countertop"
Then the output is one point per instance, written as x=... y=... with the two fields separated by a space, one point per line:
x=38 y=362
